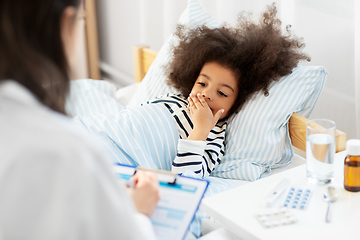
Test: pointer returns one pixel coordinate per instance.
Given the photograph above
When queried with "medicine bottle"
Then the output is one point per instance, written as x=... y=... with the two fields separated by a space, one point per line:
x=352 y=166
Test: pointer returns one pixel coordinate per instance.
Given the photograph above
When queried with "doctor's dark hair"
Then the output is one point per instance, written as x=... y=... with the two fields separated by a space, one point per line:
x=257 y=52
x=32 y=51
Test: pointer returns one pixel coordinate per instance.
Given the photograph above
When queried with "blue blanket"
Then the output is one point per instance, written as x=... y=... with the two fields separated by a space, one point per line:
x=145 y=136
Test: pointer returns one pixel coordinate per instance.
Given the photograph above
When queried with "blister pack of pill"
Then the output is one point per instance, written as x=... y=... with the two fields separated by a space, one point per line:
x=273 y=217
x=297 y=198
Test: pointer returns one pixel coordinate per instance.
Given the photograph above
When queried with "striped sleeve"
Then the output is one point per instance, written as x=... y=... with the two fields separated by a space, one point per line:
x=189 y=156
x=199 y=156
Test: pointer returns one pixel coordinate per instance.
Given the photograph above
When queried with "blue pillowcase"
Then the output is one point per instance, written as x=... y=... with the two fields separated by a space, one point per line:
x=257 y=138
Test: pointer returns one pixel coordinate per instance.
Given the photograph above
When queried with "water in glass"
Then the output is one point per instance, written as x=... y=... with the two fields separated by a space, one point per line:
x=320 y=150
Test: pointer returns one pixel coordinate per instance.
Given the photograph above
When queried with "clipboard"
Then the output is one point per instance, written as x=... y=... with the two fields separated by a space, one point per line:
x=180 y=198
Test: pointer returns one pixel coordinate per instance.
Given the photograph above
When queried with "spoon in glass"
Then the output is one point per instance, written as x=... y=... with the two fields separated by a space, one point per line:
x=330 y=196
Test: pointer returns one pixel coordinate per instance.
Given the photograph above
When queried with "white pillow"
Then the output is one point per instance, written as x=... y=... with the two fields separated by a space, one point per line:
x=257 y=138
x=124 y=94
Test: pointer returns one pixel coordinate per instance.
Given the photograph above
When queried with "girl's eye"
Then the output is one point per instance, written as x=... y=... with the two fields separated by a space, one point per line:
x=222 y=94
x=202 y=84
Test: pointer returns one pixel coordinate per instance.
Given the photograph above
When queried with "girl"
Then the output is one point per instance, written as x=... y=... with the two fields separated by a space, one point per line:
x=215 y=72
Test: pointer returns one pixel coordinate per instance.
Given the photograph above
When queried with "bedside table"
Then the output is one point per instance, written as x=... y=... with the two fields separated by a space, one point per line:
x=235 y=209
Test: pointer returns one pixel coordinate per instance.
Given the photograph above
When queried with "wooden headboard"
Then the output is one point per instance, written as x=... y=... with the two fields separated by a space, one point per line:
x=144 y=56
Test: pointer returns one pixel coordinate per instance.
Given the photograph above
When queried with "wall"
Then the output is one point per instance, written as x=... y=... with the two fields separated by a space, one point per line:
x=328 y=30
x=326 y=25
x=80 y=66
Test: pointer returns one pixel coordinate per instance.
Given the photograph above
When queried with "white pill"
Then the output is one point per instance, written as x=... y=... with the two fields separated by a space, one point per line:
x=262 y=218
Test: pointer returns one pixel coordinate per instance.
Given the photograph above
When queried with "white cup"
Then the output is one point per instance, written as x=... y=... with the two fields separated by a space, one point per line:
x=320 y=151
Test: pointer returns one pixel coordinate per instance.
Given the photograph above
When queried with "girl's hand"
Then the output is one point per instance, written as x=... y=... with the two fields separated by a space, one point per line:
x=202 y=117
x=146 y=192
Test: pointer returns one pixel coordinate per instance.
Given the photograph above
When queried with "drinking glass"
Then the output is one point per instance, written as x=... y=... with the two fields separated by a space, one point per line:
x=320 y=151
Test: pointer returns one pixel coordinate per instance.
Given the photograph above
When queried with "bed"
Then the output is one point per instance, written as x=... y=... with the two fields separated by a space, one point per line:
x=260 y=139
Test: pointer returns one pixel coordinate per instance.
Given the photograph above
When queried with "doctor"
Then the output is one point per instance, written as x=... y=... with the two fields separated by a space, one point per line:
x=55 y=180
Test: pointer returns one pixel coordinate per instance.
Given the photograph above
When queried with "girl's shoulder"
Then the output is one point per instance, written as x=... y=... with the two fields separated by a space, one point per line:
x=172 y=96
x=169 y=98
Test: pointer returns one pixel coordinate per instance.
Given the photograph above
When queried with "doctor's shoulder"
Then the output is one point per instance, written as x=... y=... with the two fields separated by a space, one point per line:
x=72 y=137
x=58 y=139
x=33 y=135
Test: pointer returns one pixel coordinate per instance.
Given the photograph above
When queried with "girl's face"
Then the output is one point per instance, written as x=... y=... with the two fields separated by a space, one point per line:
x=218 y=86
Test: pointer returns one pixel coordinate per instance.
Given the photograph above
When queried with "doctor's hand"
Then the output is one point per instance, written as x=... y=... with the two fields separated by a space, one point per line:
x=145 y=192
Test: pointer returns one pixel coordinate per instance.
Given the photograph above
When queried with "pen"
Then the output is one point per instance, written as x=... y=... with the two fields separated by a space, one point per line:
x=162 y=175
x=125 y=172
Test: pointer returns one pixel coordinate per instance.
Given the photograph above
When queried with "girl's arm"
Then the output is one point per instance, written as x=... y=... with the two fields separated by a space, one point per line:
x=201 y=157
x=198 y=154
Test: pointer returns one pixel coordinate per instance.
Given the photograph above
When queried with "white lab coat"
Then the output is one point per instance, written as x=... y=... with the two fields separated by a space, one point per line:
x=55 y=182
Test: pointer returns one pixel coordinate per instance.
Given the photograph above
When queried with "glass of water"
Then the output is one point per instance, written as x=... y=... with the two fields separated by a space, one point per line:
x=320 y=151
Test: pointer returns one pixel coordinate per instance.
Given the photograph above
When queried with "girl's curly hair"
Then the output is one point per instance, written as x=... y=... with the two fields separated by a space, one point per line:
x=257 y=53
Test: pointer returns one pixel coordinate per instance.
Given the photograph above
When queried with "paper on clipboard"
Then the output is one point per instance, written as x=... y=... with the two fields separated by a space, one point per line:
x=179 y=199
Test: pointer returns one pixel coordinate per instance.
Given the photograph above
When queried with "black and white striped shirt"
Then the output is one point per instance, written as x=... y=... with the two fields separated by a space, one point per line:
x=201 y=157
